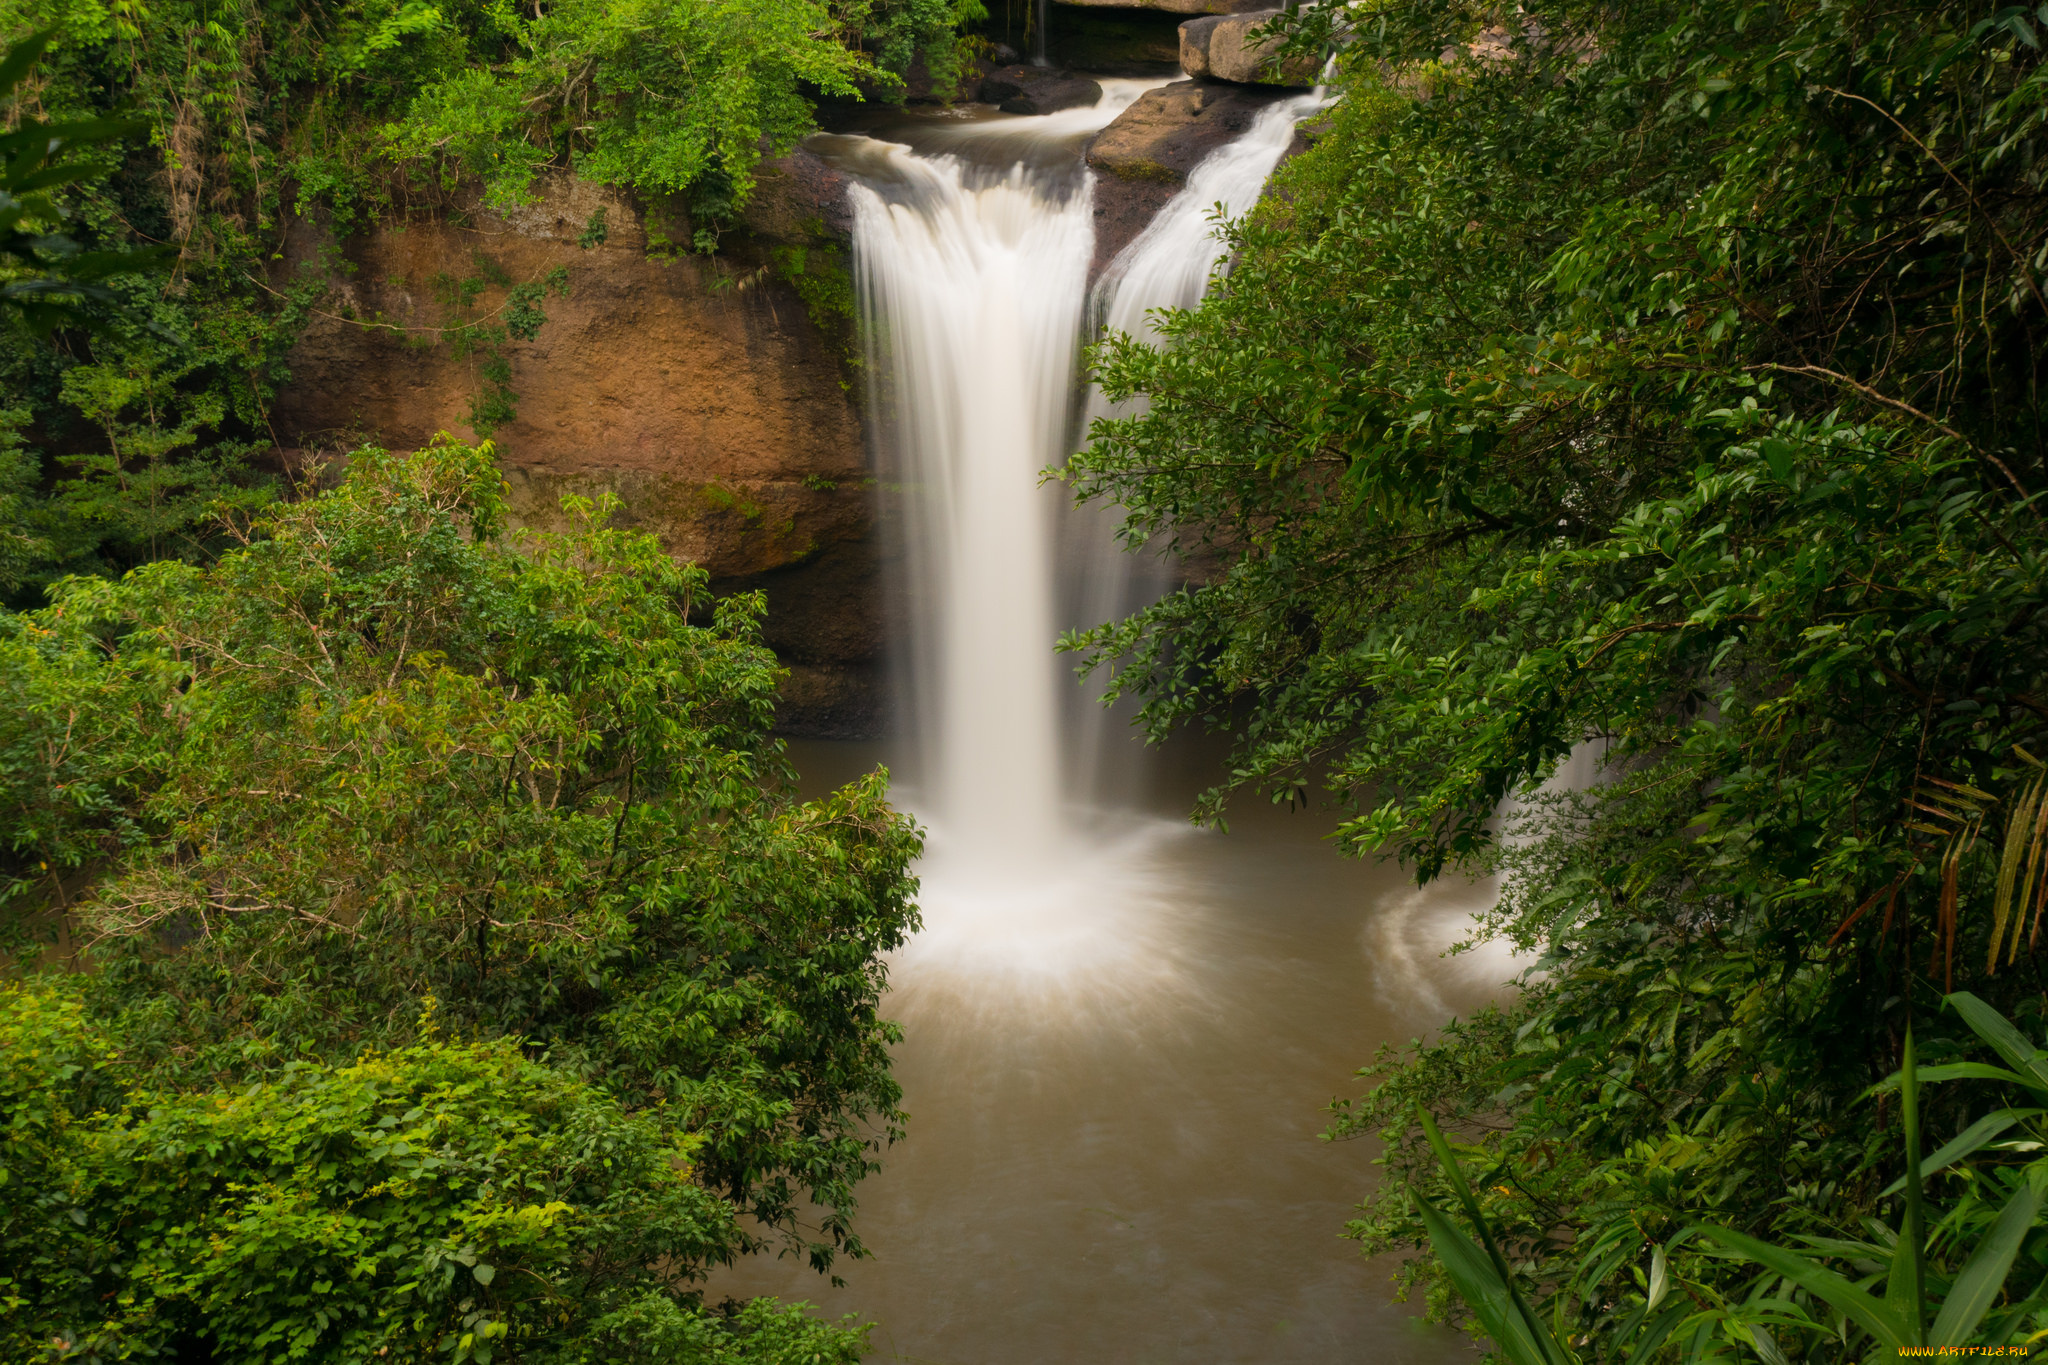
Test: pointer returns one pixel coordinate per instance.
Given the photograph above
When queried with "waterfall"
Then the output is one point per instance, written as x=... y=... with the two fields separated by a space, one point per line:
x=1168 y=265
x=973 y=282
x=974 y=286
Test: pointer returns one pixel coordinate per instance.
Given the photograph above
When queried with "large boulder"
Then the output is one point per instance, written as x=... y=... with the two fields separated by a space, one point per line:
x=1221 y=47
x=711 y=395
x=1194 y=45
x=1037 y=90
x=1147 y=154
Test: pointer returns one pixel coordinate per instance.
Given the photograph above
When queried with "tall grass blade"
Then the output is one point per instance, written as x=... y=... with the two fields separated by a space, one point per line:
x=1977 y=1288
x=1491 y=1299
x=2008 y=1042
x=1658 y=1331
x=1766 y=1345
x=1972 y=1139
x=1533 y=1327
x=1870 y=1314
x=1915 y=1232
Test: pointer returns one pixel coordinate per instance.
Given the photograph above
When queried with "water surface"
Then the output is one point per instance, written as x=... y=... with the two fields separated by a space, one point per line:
x=1115 y=1100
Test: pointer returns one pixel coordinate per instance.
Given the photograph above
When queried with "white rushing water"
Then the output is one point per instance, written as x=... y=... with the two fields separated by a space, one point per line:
x=974 y=286
x=974 y=292
x=1170 y=263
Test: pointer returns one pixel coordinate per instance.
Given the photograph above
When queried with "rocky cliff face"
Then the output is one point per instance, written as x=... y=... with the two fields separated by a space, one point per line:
x=1172 y=6
x=714 y=396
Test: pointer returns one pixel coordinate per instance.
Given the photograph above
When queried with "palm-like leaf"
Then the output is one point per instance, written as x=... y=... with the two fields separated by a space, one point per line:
x=54 y=280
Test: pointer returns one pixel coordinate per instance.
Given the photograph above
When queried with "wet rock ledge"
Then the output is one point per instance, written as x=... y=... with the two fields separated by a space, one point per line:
x=1037 y=90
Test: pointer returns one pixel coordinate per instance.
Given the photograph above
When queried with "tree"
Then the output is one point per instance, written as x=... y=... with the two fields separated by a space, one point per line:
x=1599 y=378
x=444 y=1201
x=379 y=758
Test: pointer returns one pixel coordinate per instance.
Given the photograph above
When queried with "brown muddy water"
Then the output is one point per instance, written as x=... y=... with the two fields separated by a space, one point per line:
x=1115 y=1104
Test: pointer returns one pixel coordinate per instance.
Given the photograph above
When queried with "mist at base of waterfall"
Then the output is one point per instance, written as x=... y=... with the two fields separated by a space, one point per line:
x=1115 y=1075
x=1100 y=907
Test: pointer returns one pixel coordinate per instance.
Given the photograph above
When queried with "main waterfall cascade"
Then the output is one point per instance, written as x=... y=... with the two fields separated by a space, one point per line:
x=973 y=280
x=1118 y=1031
x=973 y=289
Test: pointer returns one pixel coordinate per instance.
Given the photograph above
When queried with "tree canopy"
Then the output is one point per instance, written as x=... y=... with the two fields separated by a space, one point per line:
x=1660 y=382
x=382 y=779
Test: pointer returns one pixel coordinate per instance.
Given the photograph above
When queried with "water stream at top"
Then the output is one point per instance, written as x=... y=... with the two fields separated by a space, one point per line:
x=1118 y=1029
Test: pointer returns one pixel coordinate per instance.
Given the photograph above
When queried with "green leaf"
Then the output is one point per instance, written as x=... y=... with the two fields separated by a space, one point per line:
x=1456 y=1175
x=1766 y=1345
x=1824 y=1284
x=1955 y=1071
x=1981 y=1282
x=1657 y=1332
x=1995 y=1029
x=22 y=56
x=1913 y=1237
x=1977 y=1136
x=1490 y=1299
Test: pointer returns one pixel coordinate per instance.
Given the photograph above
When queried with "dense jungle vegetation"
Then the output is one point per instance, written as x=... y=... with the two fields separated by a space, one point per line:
x=465 y=979
x=1660 y=382
x=247 y=118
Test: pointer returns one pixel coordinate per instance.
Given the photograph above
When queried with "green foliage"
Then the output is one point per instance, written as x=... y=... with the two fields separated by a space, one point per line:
x=445 y=1201
x=1662 y=387
x=822 y=279
x=673 y=98
x=519 y=316
x=1916 y=1290
x=129 y=496
x=47 y=277
x=215 y=130
x=379 y=758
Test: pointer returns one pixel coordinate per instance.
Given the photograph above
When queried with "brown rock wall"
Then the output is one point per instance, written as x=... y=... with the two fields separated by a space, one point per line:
x=1171 y=6
x=700 y=390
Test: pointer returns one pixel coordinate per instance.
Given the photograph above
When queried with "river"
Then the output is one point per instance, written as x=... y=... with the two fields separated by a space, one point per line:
x=1120 y=1031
